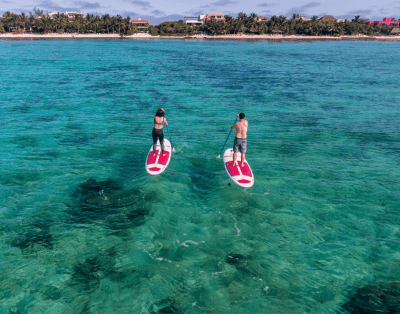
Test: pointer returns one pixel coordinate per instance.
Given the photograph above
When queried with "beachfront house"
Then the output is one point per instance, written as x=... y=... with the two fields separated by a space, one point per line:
x=142 y=25
x=52 y=15
x=193 y=21
x=201 y=19
x=386 y=21
x=332 y=19
x=219 y=17
x=72 y=15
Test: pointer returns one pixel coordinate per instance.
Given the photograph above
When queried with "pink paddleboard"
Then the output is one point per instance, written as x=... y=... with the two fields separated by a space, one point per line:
x=155 y=163
x=242 y=176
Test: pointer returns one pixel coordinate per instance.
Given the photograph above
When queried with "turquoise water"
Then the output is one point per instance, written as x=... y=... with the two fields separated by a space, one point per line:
x=84 y=228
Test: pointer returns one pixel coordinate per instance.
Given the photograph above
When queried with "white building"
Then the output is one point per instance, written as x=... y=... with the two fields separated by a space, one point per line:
x=191 y=20
x=52 y=15
x=73 y=14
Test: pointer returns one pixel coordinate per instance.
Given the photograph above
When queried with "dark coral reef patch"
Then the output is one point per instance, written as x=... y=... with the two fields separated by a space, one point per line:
x=107 y=203
x=383 y=298
x=88 y=274
x=34 y=236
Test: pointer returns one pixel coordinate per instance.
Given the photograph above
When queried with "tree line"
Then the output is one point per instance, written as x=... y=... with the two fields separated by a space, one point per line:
x=40 y=23
x=276 y=24
x=37 y=22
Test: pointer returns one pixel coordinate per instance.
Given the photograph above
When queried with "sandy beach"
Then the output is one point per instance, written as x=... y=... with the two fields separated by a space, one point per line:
x=201 y=37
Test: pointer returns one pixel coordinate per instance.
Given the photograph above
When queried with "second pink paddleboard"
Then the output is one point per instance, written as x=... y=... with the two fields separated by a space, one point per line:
x=242 y=176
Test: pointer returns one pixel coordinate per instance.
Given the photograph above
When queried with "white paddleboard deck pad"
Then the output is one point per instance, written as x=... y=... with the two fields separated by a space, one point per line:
x=242 y=176
x=155 y=162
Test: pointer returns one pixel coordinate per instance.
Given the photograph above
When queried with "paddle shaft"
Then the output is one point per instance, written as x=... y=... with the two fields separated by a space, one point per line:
x=226 y=138
x=169 y=135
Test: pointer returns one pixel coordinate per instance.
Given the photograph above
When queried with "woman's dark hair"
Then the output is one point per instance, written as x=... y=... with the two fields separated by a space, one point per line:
x=160 y=113
x=241 y=115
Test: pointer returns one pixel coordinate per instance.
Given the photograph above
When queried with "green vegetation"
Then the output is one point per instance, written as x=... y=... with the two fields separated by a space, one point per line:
x=37 y=22
x=292 y=26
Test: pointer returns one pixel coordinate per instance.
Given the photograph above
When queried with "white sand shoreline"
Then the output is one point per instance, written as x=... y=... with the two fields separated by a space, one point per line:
x=201 y=37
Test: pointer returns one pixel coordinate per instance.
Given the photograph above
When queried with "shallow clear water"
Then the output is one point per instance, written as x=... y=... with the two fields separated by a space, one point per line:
x=84 y=228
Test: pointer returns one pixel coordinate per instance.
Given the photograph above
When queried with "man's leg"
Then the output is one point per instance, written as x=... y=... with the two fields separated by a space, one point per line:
x=235 y=151
x=243 y=150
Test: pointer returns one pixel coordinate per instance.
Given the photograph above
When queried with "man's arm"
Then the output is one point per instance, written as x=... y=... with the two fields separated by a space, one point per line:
x=234 y=125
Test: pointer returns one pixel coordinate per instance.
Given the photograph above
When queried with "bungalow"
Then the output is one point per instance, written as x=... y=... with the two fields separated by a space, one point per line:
x=141 y=24
x=386 y=21
x=395 y=31
x=328 y=18
x=276 y=32
x=332 y=19
x=215 y=17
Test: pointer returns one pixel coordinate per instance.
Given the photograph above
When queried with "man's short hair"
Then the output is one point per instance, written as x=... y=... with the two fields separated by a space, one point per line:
x=242 y=115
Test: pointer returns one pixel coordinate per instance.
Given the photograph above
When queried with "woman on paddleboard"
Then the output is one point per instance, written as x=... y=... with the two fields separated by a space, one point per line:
x=159 y=122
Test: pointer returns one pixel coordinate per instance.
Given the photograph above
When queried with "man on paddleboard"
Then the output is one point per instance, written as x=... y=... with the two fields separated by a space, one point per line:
x=240 y=142
x=159 y=122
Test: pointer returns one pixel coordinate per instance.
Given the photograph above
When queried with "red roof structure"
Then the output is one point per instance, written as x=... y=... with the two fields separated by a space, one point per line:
x=140 y=21
x=215 y=16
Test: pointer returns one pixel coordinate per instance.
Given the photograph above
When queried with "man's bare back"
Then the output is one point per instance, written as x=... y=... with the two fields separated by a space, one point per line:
x=241 y=128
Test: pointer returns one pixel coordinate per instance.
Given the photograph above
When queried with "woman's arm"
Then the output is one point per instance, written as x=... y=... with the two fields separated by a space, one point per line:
x=165 y=121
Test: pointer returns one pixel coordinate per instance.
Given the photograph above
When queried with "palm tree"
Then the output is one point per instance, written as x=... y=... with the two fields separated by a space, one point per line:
x=241 y=16
x=295 y=17
x=79 y=22
x=24 y=20
x=215 y=27
x=273 y=19
x=113 y=23
x=107 y=21
x=118 y=21
x=64 y=22
x=127 y=23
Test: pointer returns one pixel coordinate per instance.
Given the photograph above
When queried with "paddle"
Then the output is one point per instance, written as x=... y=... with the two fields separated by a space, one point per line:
x=169 y=135
x=219 y=156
